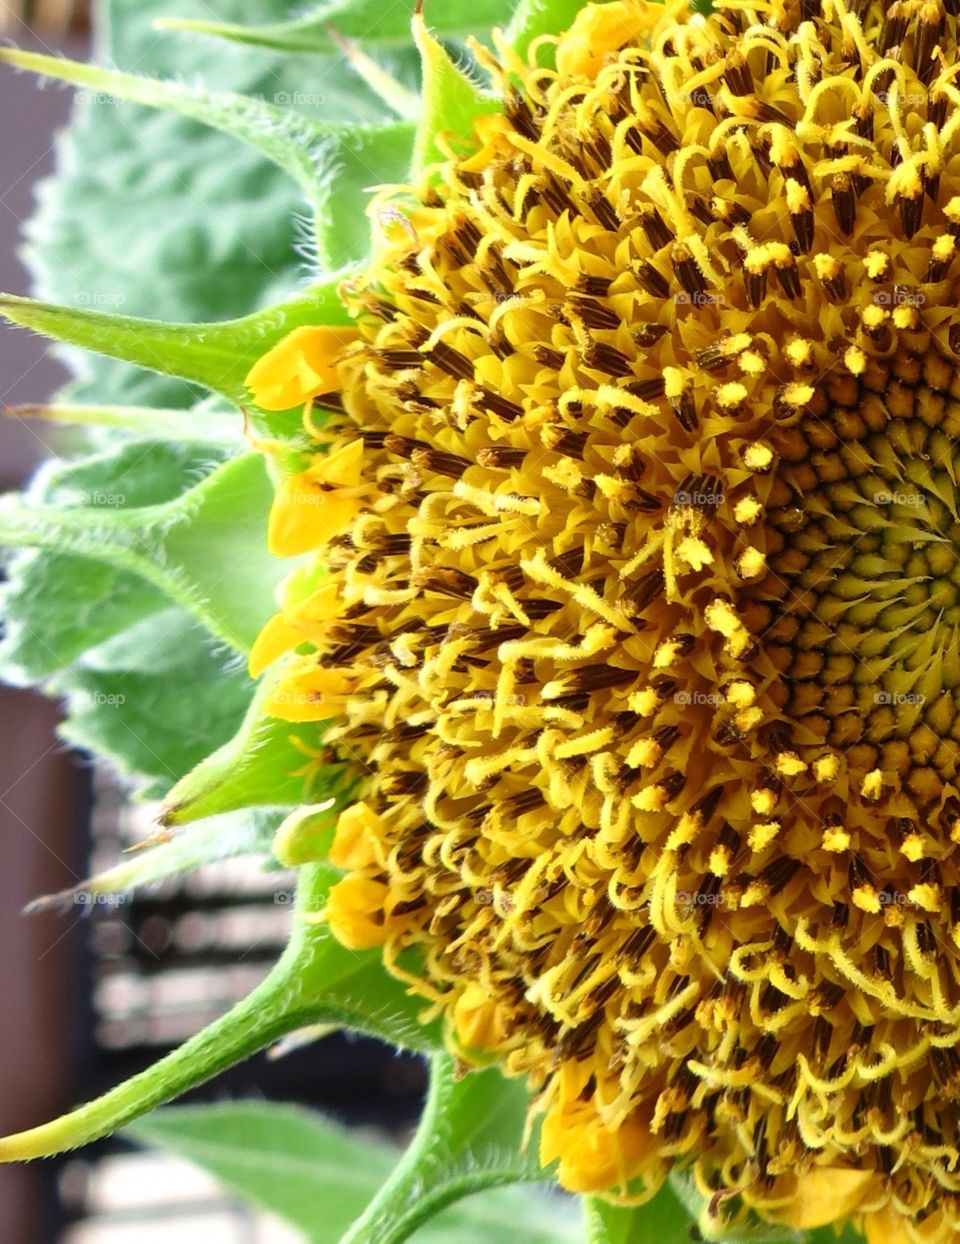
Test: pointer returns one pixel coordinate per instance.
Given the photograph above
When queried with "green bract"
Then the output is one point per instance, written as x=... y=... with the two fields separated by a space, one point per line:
x=218 y=216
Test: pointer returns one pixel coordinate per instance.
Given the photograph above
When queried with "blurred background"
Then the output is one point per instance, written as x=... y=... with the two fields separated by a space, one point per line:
x=90 y=996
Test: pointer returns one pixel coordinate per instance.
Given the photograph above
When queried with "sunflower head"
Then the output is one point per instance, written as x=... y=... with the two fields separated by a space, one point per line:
x=636 y=492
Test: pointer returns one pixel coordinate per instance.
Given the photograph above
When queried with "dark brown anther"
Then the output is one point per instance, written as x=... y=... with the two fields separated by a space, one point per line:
x=647 y=335
x=398 y=360
x=655 y=227
x=700 y=98
x=496 y=404
x=595 y=314
x=672 y=784
x=928 y=35
x=547 y=356
x=564 y=441
x=651 y=280
x=329 y=401
x=737 y=75
x=500 y=457
x=857 y=873
x=863 y=121
x=684 y=408
x=844 y=202
x=446 y=581
x=835 y=287
x=788 y=275
x=937 y=105
x=894 y=27
x=779 y=873
x=720 y=167
x=520 y=115
x=687 y=271
x=714 y=357
x=755 y=286
x=440 y=462
x=911 y=213
x=803 y=227
x=641 y=594
x=937 y=269
x=593 y=286
x=661 y=137
x=450 y=361
x=603 y=209
x=607 y=359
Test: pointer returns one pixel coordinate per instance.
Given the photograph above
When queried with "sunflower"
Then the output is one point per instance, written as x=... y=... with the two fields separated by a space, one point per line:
x=633 y=599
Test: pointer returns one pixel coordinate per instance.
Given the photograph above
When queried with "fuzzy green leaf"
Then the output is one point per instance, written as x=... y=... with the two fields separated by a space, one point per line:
x=205 y=550
x=56 y=606
x=153 y=700
x=373 y=22
x=470 y=1139
x=319 y=1176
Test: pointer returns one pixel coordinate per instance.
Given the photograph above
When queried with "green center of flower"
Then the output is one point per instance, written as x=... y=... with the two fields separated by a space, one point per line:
x=867 y=578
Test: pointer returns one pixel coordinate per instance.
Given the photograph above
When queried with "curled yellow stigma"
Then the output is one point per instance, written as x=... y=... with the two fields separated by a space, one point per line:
x=638 y=495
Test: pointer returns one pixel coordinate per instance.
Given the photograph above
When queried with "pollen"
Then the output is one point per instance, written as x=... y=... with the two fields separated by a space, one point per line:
x=635 y=490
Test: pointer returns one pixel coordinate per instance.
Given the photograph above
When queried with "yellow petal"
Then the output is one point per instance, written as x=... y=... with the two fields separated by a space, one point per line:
x=276 y=638
x=826 y=1194
x=305 y=515
x=299 y=366
x=355 y=912
x=886 y=1227
x=598 y=30
x=342 y=467
x=310 y=694
x=356 y=838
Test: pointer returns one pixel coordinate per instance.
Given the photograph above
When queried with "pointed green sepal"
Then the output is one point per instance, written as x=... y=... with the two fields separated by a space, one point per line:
x=293 y=141
x=333 y=163
x=470 y=1138
x=451 y=102
x=217 y=427
x=206 y=549
x=377 y=24
x=219 y=838
x=268 y=763
x=662 y=1218
x=217 y=356
x=315 y=981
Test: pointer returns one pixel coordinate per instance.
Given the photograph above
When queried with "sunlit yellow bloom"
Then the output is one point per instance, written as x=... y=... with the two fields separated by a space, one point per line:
x=642 y=621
